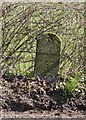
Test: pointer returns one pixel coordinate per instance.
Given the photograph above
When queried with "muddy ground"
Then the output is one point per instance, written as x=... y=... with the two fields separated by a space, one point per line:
x=25 y=98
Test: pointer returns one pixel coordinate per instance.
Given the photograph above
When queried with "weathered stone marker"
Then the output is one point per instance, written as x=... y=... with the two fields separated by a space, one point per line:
x=47 y=55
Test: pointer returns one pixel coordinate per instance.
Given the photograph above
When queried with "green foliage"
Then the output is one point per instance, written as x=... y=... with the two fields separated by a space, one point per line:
x=9 y=75
x=29 y=74
x=71 y=86
x=23 y=23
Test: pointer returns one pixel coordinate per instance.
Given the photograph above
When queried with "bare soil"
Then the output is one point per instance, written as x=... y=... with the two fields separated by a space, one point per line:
x=30 y=98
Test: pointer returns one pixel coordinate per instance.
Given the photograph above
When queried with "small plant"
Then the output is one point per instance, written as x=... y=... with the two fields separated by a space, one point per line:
x=72 y=86
x=8 y=75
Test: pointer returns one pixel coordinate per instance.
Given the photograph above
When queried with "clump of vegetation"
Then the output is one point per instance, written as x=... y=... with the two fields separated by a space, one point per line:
x=74 y=86
x=71 y=85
